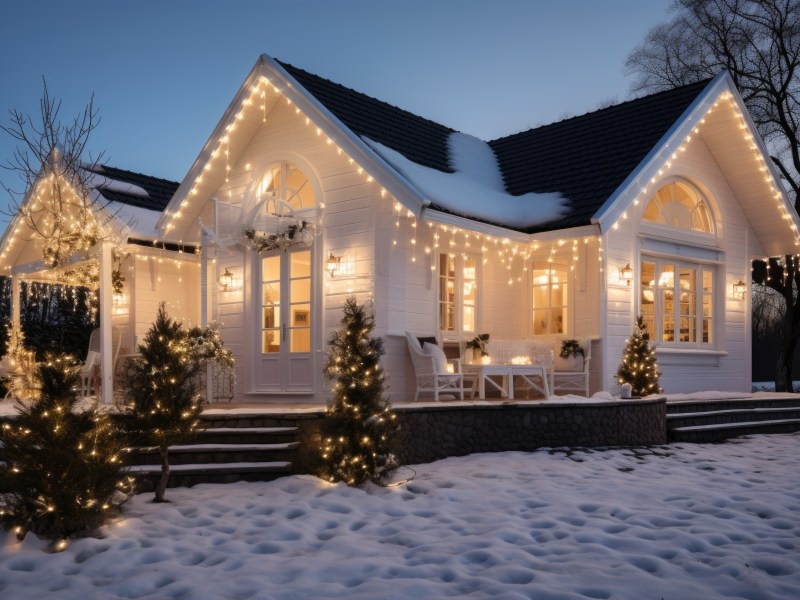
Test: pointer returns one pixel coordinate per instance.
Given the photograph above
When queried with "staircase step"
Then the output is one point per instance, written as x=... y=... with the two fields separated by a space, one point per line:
x=685 y=406
x=189 y=475
x=731 y=416
x=244 y=435
x=216 y=453
x=718 y=432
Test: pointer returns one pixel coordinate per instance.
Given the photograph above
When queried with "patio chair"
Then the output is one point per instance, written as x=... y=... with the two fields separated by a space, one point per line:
x=430 y=370
x=575 y=380
x=90 y=376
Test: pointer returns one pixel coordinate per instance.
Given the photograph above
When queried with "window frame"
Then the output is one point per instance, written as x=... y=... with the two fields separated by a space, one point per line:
x=659 y=299
x=565 y=306
x=458 y=332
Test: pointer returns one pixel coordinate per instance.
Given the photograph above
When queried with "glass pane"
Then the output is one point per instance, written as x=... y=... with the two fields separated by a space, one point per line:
x=708 y=281
x=300 y=290
x=301 y=315
x=540 y=322
x=557 y=320
x=271 y=268
x=298 y=190
x=469 y=318
x=271 y=341
x=707 y=331
x=540 y=297
x=272 y=317
x=301 y=339
x=300 y=265
x=271 y=293
x=668 y=334
x=447 y=317
x=688 y=329
x=648 y=279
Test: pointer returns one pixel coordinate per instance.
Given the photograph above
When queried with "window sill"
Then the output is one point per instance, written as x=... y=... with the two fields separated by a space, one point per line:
x=700 y=357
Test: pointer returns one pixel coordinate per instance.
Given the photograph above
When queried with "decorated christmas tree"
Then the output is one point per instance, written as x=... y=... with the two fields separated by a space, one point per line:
x=62 y=473
x=359 y=425
x=162 y=407
x=638 y=366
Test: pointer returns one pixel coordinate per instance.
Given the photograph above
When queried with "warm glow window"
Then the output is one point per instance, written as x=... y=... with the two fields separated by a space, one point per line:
x=677 y=302
x=458 y=293
x=284 y=188
x=680 y=205
x=286 y=302
x=550 y=297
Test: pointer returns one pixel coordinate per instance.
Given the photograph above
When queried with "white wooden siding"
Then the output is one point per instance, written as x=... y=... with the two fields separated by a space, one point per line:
x=738 y=242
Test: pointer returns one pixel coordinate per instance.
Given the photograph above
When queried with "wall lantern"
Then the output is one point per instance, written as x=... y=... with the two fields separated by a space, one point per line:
x=739 y=290
x=626 y=274
x=226 y=280
x=332 y=264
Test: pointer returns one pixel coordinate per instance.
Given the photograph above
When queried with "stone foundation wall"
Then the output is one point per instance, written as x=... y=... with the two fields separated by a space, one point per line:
x=433 y=432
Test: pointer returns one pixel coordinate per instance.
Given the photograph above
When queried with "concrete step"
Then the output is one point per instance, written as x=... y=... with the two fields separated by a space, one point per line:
x=215 y=454
x=686 y=406
x=189 y=475
x=253 y=419
x=731 y=416
x=722 y=431
x=247 y=435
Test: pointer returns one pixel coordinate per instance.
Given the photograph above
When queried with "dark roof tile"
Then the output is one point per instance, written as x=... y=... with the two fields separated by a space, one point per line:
x=587 y=157
x=418 y=139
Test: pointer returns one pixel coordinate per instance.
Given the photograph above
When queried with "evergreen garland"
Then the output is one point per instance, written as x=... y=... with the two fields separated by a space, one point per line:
x=61 y=474
x=163 y=409
x=359 y=425
x=638 y=366
x=294 y=234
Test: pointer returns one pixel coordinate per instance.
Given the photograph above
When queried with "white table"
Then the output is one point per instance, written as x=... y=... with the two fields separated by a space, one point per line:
x=484 y=373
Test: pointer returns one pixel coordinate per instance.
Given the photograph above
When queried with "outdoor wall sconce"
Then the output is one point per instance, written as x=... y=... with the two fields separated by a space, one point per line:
x=226 y=280
x=332 y=264
x=739 y=290
x=626 y=274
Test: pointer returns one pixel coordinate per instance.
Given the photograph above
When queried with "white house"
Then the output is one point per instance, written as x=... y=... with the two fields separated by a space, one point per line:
x=655 y=206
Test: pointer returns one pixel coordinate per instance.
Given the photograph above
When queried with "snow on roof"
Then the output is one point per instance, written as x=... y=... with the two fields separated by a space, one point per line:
x=133 y=221
x=106 y=183
x=475 y=188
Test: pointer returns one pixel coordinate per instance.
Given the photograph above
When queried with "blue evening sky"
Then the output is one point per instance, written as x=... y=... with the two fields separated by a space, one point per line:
x=164 y=72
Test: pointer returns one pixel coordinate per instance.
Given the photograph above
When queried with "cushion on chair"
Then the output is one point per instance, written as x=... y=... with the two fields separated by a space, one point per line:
x=439 y=359
x=427 y=340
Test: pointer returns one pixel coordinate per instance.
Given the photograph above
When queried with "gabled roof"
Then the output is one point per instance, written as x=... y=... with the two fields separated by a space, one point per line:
x=159 y=191
x=586 y=158
x=416 y=138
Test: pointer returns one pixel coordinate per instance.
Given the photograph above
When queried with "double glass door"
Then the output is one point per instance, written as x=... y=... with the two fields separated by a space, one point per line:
x=286 y=322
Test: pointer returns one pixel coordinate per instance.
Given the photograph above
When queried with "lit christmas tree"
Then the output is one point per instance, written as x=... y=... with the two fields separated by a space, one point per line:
x=62 y=473
x=358 y=426
x=163 y=407
x=638 y=366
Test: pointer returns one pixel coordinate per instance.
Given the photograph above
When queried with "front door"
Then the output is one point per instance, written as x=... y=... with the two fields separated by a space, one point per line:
x=286 y=322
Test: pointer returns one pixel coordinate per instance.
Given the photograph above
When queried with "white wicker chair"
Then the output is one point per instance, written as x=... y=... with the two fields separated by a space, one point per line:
x=575 y=380
x=428 y=378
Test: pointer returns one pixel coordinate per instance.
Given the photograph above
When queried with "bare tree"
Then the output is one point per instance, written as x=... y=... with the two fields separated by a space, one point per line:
x=758 y=43
x=54 y=171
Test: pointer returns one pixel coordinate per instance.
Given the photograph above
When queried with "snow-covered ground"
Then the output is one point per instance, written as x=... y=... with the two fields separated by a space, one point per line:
x=680 y=522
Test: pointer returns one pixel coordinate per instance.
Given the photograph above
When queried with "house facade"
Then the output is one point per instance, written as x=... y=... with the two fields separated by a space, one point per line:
x=307 y=192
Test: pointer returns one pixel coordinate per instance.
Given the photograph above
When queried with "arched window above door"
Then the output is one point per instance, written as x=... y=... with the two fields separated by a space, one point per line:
x=681 y=205
x=284 y=189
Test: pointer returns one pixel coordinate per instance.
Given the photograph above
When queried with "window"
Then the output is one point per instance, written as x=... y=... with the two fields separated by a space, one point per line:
x=458 y=293
x=677 y=302
x=550 y=297
x=284 y=188
x=681 y=205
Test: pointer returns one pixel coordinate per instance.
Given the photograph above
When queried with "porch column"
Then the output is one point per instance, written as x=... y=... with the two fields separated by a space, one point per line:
x=206 y=288
x=106 y=347
x=16 y=300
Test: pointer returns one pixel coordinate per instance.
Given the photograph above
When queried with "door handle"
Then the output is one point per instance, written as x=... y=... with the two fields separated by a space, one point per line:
x=283 y=335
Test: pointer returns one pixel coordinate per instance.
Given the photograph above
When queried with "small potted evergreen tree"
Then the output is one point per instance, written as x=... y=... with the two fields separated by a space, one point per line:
x=571 y=356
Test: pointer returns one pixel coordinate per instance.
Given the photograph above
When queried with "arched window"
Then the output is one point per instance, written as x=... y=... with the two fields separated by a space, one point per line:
x=284 y=189
x=681 y=205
